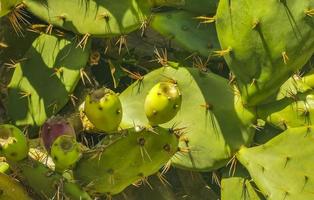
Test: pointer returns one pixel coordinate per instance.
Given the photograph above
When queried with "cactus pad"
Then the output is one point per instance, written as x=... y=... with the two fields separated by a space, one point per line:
x=216 y=123
x=264 y=42
x=92 y=17
x=42 y=84
x=282 y=168
x=114 y=165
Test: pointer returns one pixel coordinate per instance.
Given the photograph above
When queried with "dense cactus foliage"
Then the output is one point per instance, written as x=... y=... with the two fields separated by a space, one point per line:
x=156 y=99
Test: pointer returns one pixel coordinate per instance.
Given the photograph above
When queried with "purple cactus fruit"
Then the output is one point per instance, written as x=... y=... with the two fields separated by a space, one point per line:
x=53 y=128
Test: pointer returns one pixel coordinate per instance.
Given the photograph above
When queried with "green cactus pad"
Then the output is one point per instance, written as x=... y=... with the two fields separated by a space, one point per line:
x=215 y=122
x=264 y=42
x=238 y=185
x=10 y=189
x=162 y=103
x=293 y=106
x=103 y=109
x=42 y=84
x=93 y=17
x=46 y=183
x=138 y=153
x=186 y=30
x=7 y=6
x=13 y=143
x=282 y=168
x=65 y=152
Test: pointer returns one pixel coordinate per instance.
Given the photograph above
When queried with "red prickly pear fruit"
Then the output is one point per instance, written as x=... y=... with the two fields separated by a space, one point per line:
x=65 y=152
x=103 y=109
x=13 y=143
x=53 y=128
x=162 y=103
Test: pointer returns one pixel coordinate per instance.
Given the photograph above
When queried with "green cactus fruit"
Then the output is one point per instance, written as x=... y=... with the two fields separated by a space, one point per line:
x=162 y=103
x=282 y=168
x=30 y=98
x=10 y=189
x=46 y=183
x=103 y=109
x=65 y=152
x=209 y=110
x=116 y=164
x=182 y=27
x=7 y=6
x=92 y=17
x=264 y=43
x=13 y=143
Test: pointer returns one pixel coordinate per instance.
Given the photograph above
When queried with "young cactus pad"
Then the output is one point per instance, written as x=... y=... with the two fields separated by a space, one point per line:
x=282 y=168
x=65 y=152
x=264 y=42
x=208 y=110
x=13 y=143
x=43 y=82
x=53 y=128
x=10 y=189
x=162 y=103
x=138 y=153
x=92 y=17
x=103 y=109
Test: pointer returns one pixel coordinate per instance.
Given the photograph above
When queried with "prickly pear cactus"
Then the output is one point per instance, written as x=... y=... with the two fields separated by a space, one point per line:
x=114 y=165
x=111 y=94
x=43 y=82
x=262 y=59
x=207 y=106
x=92 y=17
x=275 y=166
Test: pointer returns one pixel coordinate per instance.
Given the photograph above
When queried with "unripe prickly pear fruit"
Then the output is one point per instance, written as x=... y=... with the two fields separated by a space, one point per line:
x=53 y=128
x=65 y=152
x=13 y=143
x=104 y=110
x=162 y=103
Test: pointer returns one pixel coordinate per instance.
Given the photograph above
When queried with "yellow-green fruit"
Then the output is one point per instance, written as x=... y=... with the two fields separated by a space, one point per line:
x=13 y=143
x=103 y=109
x=162 y=103
x=65 y=152
x=11 y=189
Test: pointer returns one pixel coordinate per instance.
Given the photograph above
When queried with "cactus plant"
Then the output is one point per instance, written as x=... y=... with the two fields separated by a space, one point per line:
x=130 y=119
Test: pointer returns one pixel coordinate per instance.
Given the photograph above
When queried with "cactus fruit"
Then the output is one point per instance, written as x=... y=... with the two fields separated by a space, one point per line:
x=30 y=100
x=282 y=168
x=263 y=59
x=162 y=103
x=65 y=152
x=209 y=110
x=10 y=189
x=13 y=143
x=103 y=109
x=182 y=27
x=138 y=153
x=92 y=17
x=53 y=128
